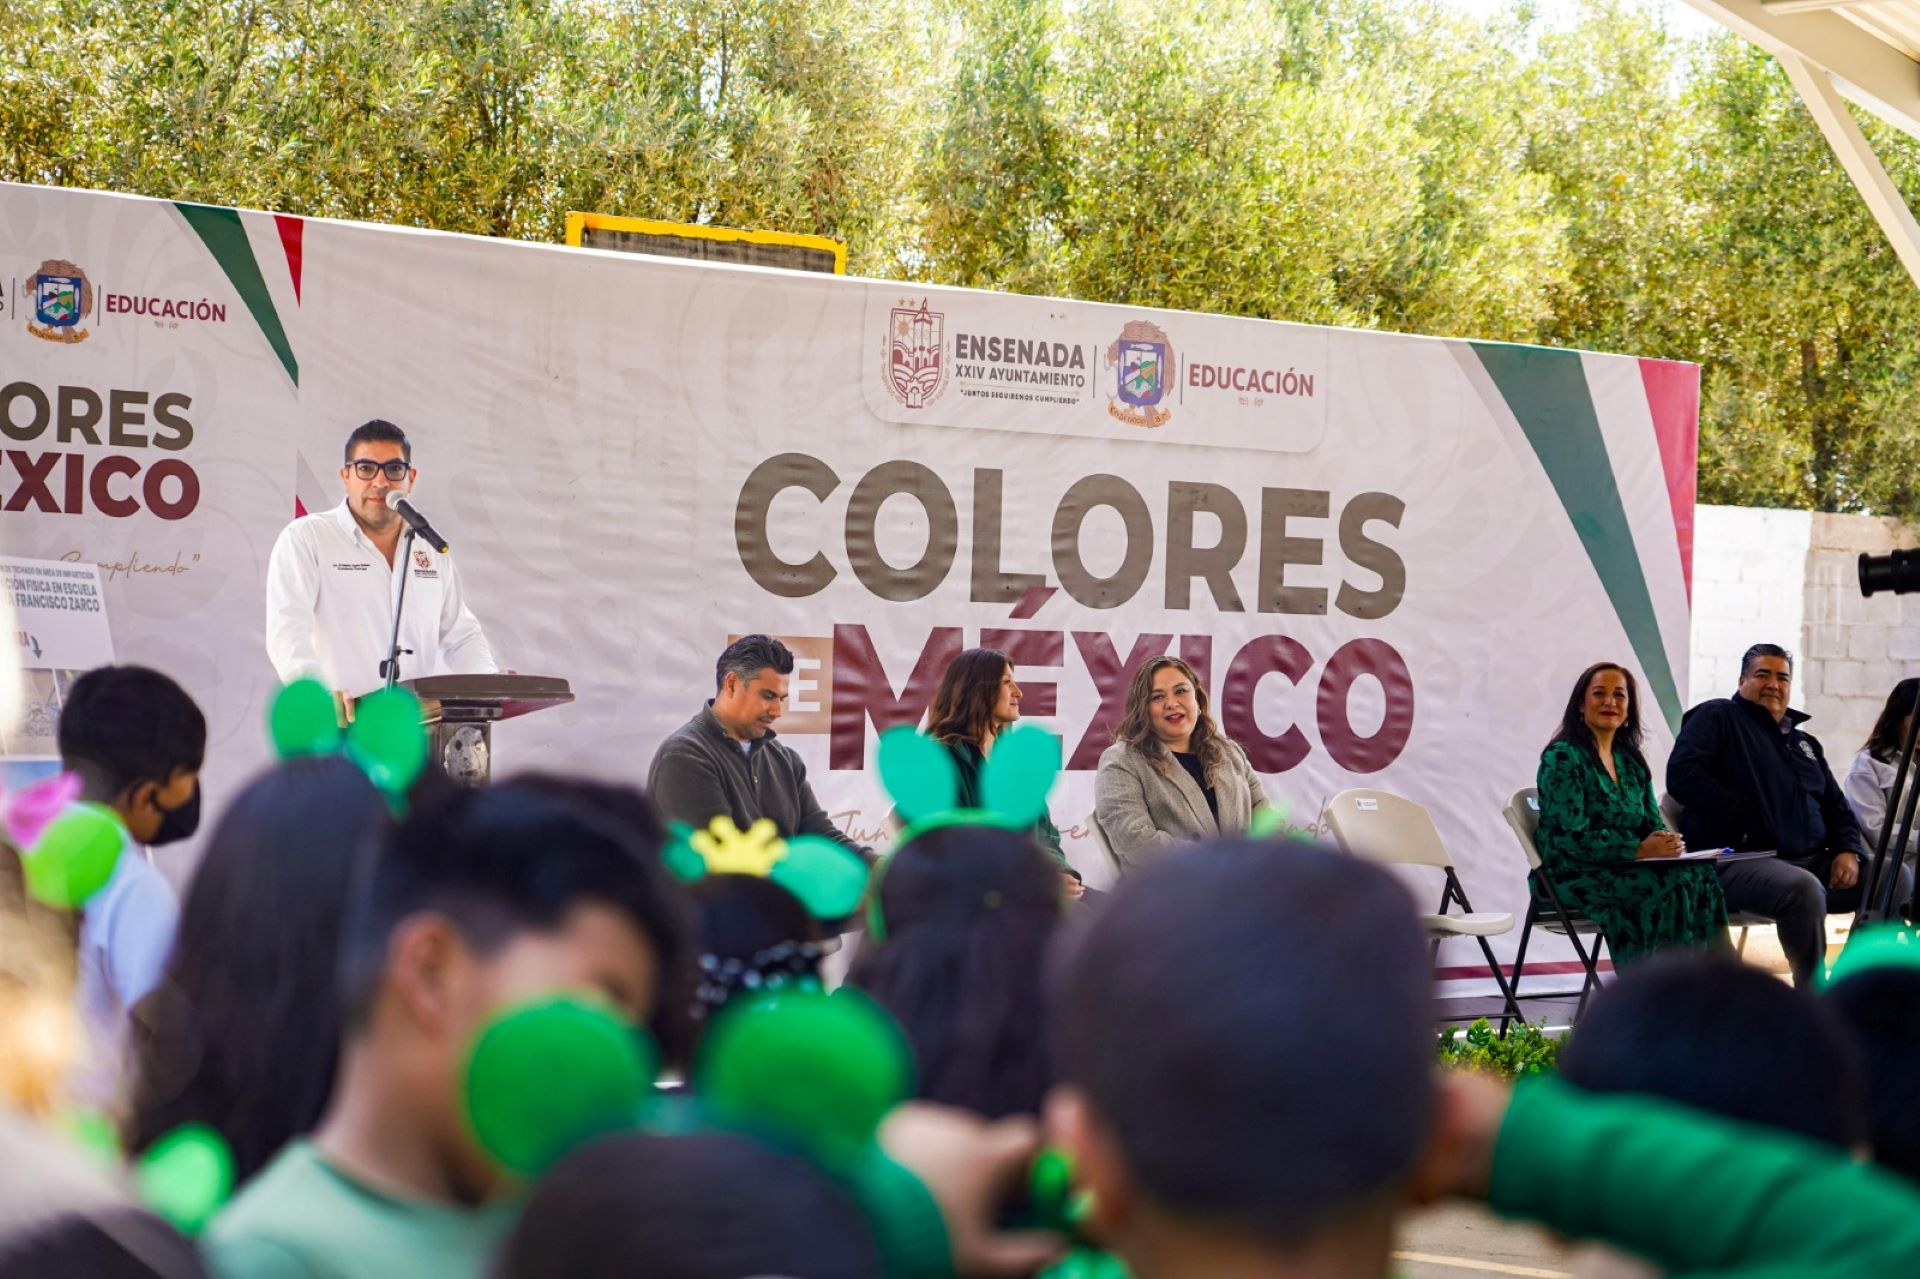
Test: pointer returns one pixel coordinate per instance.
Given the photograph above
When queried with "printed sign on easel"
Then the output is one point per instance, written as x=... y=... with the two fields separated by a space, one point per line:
x=59 y=630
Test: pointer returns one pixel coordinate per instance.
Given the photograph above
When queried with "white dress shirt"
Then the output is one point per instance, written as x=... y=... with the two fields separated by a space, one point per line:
x=330 y=600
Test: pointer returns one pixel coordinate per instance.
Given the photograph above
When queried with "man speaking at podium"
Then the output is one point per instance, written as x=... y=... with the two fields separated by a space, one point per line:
x=335 y=576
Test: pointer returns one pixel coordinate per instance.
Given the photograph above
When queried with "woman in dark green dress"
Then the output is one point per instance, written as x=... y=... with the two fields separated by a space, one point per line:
x=1599 y=823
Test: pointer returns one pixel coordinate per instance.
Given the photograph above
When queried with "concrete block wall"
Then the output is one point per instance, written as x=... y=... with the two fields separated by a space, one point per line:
x=1790 y=577
x=1749 y=587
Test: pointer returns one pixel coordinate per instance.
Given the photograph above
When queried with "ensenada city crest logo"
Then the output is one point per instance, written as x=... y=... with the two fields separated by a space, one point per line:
x=916 y=365
x=1144 y=366
x=62 y=298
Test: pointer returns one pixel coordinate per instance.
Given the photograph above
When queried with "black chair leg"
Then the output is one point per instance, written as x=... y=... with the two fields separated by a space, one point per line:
x=1593 y=976
x=1589 y=960
x=1520 y=955
x=1513 y=1012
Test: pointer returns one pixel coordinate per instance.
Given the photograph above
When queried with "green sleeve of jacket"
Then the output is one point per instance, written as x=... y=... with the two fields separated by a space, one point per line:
x=1698 y=1195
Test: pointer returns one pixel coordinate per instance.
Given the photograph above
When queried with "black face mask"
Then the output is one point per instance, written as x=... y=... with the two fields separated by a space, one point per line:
x=179 y=823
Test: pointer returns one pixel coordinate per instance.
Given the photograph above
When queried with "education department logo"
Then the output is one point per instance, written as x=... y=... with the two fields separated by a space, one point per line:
x=916 y=355
x=1144 y=366
x=62 y=298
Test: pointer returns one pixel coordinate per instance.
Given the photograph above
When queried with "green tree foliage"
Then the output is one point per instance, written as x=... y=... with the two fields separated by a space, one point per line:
x=1811 y=333
x=1587 y=181
x=1327 y=162
x=1606 y=128
x=488 y=116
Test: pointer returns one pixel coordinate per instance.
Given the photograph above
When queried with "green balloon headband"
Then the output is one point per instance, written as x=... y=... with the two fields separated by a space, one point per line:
x=806 y=1071
x=825 y=875
x=540 y=1079
x=74 y=855
x=68 y=848
x=545 y=1076
x=185 y=1177
x=924 y=783
x=810 y=1070
x=818 y=1073
x=386 y=739
x=1881 y=946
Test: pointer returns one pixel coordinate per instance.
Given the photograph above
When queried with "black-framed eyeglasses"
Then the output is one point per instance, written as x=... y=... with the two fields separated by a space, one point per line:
x=396 y=470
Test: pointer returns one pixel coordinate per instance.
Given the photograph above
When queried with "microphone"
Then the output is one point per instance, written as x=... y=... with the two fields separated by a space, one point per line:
x=397 y=501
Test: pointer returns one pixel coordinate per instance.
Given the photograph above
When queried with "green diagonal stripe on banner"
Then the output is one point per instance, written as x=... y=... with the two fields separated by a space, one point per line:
x=1547 y=392
x=221 y=230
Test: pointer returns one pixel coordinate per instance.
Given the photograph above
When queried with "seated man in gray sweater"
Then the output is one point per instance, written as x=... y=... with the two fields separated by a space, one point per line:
x=726 y=759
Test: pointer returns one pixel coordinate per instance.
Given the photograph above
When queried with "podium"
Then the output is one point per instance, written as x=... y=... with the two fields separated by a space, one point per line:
x=460 y=737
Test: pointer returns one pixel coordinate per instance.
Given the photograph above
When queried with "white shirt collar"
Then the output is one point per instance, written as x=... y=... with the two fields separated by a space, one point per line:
x=343 y=516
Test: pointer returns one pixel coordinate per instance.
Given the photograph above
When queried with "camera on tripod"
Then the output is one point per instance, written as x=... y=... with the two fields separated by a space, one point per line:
x=1898 y=572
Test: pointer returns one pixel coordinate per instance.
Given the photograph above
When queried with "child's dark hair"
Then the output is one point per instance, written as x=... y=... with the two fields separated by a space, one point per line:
x=1252 y=1023
x=248 y=1004
x=700 y=1206
x=1720 y=1036
x=752 y=935
x=121 y=725
x=1882 y=1008
x=969 y=912
x=515 y=858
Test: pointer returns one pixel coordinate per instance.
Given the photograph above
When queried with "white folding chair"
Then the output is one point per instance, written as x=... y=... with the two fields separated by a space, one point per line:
x=1393 y=830
x=1523 y=815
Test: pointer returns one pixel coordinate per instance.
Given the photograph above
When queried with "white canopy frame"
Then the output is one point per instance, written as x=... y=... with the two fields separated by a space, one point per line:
x=1834 y=51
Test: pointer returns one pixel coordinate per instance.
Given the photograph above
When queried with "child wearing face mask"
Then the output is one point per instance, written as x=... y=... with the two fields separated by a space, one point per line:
x=136 y=740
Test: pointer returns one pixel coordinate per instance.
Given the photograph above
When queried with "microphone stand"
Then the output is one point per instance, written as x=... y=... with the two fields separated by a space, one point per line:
x=1876 y=898
x=390 y=669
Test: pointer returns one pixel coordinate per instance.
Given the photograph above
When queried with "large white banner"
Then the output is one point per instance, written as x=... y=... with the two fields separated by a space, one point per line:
x=1388 y=556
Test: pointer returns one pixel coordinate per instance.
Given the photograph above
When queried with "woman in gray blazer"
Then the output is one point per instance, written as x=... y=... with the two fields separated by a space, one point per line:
x=1170 y=777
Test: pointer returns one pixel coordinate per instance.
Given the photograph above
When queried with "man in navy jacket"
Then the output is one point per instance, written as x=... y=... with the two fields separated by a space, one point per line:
x=1748 y=778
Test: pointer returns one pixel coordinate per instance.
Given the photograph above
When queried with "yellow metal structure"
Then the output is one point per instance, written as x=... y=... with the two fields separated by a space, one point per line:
x=580 y=225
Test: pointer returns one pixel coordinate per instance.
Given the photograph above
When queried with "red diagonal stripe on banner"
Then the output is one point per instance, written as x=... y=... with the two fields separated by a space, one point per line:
x=1029 y=604
x=1546 y=968
x=292 y=231
x=1673 y=395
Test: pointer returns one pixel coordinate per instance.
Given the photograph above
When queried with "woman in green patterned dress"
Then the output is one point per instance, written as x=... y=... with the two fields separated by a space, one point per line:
x=1598 y=821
